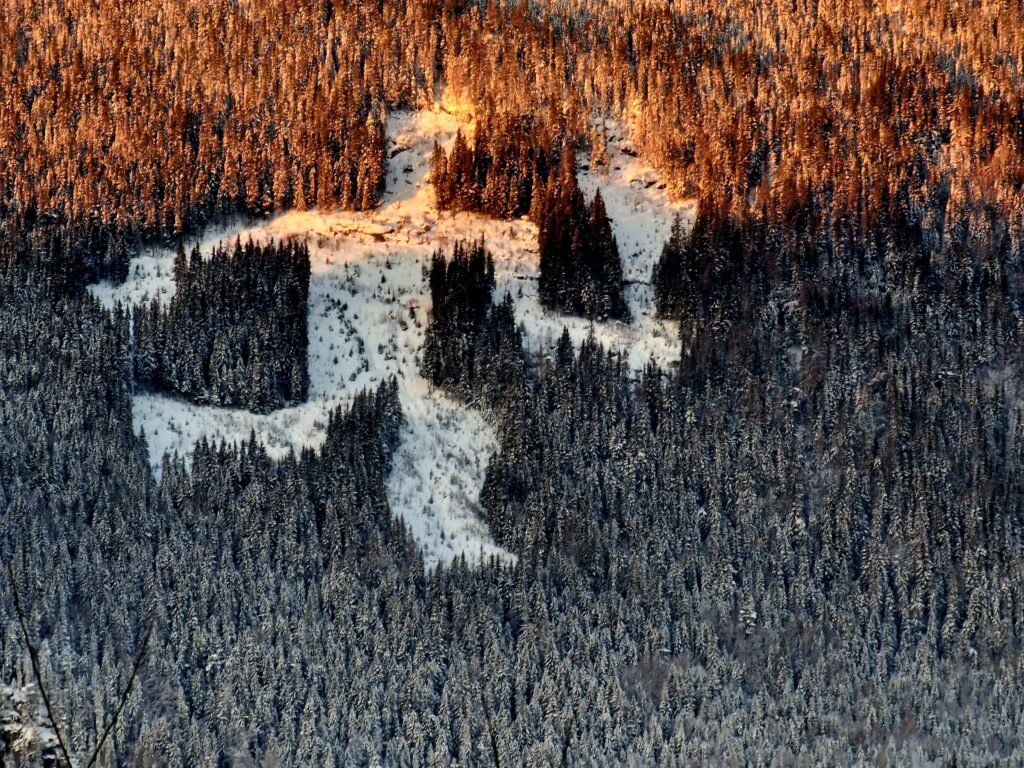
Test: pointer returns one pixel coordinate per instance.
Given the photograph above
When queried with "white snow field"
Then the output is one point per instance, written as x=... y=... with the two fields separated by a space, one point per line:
x=368 y=310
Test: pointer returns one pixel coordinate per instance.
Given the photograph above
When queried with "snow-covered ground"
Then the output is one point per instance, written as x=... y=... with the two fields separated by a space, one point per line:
x=24 y=722
x=368 y=310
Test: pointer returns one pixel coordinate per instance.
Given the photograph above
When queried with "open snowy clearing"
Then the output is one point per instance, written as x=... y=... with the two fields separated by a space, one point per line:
x=368 y=310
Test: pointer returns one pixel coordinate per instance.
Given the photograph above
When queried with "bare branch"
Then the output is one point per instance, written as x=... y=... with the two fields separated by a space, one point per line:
x=139 y=659
x=34 y=656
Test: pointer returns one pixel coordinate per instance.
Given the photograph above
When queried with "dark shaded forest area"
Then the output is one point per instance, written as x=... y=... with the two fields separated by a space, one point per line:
x=803 y=544
x=234 y=333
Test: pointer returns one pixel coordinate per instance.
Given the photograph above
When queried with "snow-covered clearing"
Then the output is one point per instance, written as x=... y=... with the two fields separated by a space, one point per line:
x=368 y=310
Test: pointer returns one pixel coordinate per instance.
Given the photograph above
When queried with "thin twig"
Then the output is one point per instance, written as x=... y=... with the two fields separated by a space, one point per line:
x=139 y=659
x=33 y=654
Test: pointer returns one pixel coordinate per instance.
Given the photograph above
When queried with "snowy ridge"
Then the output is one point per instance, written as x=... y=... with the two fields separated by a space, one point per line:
x=369 y=304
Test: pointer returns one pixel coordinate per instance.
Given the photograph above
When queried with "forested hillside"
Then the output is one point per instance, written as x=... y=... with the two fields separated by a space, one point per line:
x=235 y=331
x=798 y=541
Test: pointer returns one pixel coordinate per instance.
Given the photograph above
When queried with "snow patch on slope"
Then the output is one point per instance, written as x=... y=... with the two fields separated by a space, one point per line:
x=369 y=304
x=23 y=723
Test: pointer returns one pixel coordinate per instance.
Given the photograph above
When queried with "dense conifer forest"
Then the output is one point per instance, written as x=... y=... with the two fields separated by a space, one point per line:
x=472 y=346
x=580 y=269
x=234 y=333
x=497 y=175
x=802 y=544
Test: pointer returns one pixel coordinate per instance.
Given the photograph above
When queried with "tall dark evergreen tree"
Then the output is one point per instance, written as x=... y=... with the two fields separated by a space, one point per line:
x=472 y=347
x=580 y=268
